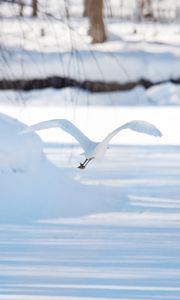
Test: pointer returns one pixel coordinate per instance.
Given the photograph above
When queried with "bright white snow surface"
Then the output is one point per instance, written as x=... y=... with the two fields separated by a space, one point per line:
x=111 y=231
x=17 y=153
x=132 y=51
x=34 y=187
x=31 y=187
x=108 y=232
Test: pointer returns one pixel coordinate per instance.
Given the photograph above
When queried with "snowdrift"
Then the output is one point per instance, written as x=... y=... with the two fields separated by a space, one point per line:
x=18 y=153
x=32 y=188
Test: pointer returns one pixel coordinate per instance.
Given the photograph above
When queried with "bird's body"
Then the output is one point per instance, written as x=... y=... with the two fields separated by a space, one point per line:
x=92 y=149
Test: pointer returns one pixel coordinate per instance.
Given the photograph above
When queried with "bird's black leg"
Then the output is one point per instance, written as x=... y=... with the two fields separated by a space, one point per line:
x=82 y=165
x=85 y=164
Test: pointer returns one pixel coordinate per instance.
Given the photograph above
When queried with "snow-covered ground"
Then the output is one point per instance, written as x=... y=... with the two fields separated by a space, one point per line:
x=110 y=231
x=133 y=51
x=167 y=94
x=74 y=262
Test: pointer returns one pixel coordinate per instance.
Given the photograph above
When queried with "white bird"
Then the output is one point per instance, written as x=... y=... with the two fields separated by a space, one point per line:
x=92 y=149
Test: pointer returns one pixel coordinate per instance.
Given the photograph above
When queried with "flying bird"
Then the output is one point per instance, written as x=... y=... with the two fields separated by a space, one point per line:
x=93 y=150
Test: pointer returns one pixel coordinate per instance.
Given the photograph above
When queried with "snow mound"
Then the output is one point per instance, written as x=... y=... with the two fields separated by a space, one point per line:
x=18 y=153
x=164 y=94
x=32 y=188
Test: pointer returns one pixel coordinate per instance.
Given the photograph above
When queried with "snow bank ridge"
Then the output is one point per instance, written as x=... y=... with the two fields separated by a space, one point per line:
x=17 y=153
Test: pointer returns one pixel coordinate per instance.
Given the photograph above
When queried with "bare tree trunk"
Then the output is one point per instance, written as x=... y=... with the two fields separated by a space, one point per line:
x=95 y=14
x=148 y=12
x=85 y=12
x=34 y=8
x=139 y=11
x=144 y=9
x=21 y=8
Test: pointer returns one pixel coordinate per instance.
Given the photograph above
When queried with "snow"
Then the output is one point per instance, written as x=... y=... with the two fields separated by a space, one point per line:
x=123 y=66
x=110 y=231
x=32 y=187
x=72 y=262
x=24 y=173
x=65 y=50
x=17 y=153
x=164 y=94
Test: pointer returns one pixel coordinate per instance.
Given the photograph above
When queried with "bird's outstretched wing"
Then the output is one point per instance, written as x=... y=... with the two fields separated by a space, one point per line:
x=66 y=126
x=136 y=125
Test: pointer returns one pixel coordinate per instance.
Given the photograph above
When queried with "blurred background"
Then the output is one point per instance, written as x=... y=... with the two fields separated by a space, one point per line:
x=87 y=61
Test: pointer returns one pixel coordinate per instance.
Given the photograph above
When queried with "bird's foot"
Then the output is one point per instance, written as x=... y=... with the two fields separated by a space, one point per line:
x=81 y=166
